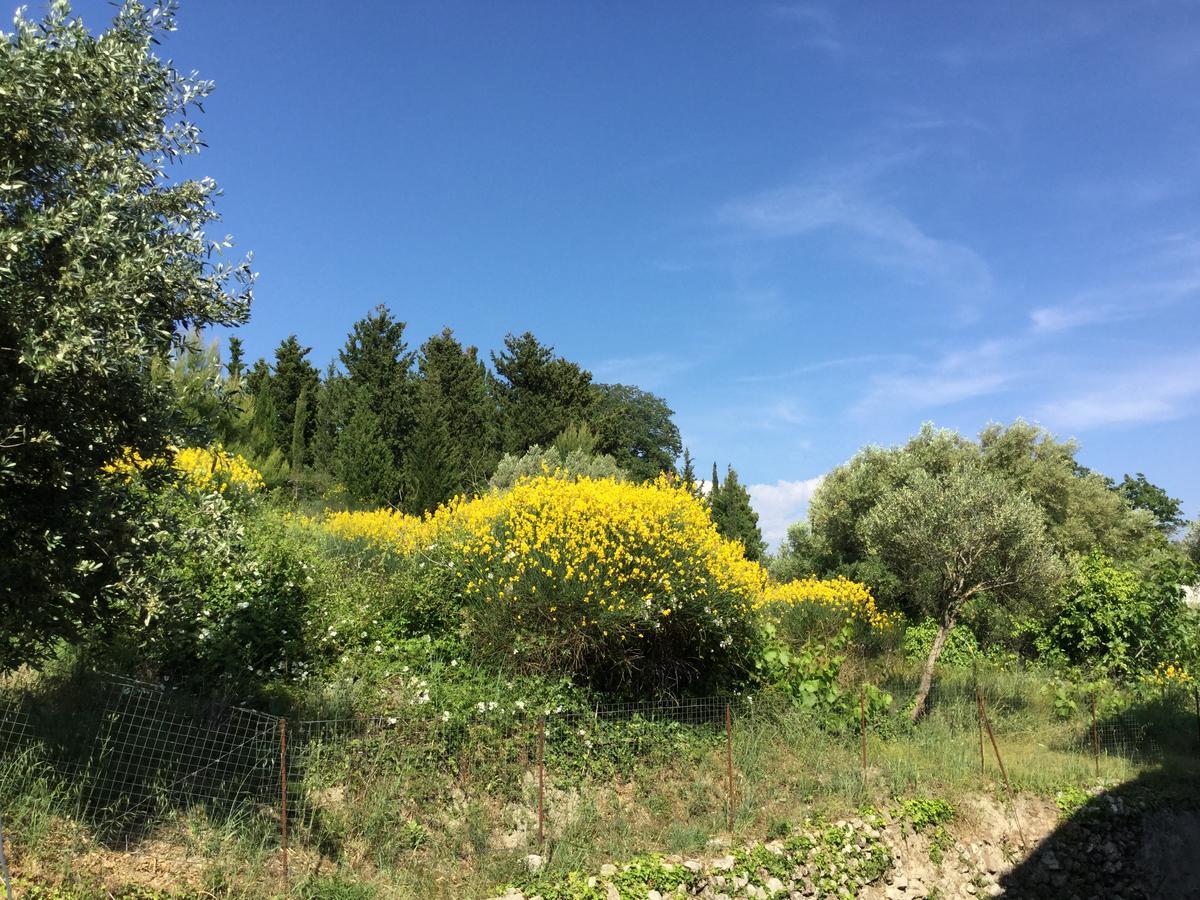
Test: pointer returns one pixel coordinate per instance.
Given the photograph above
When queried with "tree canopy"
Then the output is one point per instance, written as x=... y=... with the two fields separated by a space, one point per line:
x=1140 y=493
x=952 y=536
x=104 y=266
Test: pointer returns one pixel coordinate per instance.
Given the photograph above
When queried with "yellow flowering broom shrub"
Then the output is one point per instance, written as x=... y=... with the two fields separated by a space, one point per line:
x=820 y=608
x=209 y=469
x=205 y=470
x=626 y=585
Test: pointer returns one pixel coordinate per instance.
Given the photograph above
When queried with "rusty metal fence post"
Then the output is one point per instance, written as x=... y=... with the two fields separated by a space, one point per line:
x=729 y=764
x=283 y=812
x=541 y=779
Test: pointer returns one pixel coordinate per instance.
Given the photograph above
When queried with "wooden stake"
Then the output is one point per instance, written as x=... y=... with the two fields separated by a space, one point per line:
x=979 y=725
x=8 y=891
x=1095 y=737
x=541 y=780
x=862 y=718
x=729 y=763
x=283 y=815
x=1004 y=772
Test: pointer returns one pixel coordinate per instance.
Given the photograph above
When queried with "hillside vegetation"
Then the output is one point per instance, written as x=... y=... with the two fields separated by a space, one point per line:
x=488 y=592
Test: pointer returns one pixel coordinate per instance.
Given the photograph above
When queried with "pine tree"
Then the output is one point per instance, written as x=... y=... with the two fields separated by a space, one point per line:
x=434 y=473
x=258 y=378
x=455 y=379
x=538 y=394
x=332 y=409
x=362 y=461
x=576 y=438
x=378 y=367
x=714 y=494
x=379 y=364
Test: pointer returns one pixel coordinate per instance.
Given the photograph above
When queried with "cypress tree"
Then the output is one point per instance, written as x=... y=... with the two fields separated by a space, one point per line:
x=688 y=475
x=298 y=429
x=737 y=520
x=237 y=359
x=291 y=375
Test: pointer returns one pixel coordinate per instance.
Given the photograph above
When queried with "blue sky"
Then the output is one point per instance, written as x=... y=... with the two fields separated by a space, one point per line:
x=809 y=226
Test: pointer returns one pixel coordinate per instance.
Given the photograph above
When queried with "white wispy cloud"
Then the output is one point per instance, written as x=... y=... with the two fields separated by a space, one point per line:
x=956 y=375
x=883 y=233
x=780 y=504
x=1156 y=392
x=650 y=371
x=858 y=361
x=816 y=23
x=1049 y=319
x=1169 y=275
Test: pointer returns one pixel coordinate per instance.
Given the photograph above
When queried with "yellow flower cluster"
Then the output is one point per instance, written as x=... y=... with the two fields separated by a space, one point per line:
x=609 y=557
x=838 y=595
x=384 y=528
x=129 y=464
x=1169 y=673
x=212 y=469
x=600 y=556
x=205 y=470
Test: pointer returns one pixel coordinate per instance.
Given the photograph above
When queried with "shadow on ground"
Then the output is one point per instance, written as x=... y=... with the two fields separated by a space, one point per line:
x=1138 y=841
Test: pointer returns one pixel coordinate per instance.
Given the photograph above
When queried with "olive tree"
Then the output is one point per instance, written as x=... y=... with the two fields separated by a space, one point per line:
x=104 y=266
x=957 y=536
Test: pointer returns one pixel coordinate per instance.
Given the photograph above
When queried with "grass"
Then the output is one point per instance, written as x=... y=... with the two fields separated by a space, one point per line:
x=380 y=819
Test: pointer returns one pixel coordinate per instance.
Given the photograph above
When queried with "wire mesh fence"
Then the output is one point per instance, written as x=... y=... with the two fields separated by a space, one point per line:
x=496 y=777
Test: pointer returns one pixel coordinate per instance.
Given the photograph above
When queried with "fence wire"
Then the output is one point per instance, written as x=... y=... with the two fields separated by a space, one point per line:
x=137 y=754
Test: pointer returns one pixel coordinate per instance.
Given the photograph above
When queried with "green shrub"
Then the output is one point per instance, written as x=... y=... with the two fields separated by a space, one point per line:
x=961 y=648
x=810 y=676
x=1119 y=622
x=221 y=601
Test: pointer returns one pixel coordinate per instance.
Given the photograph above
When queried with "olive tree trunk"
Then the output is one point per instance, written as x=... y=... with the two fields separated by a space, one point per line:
x=935 y=650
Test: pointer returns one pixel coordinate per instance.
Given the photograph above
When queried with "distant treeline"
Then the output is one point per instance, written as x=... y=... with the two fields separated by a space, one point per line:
x=386 y=424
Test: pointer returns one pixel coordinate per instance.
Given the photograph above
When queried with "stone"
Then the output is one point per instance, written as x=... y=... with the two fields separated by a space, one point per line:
x=654 y=895
x=993 y=890
x=1050 y=861
x=692 y=865
x=611 y=892
x=608 y=870
x=724 y=862
x=894 y=893
x=775 y=886
x=533 y=862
